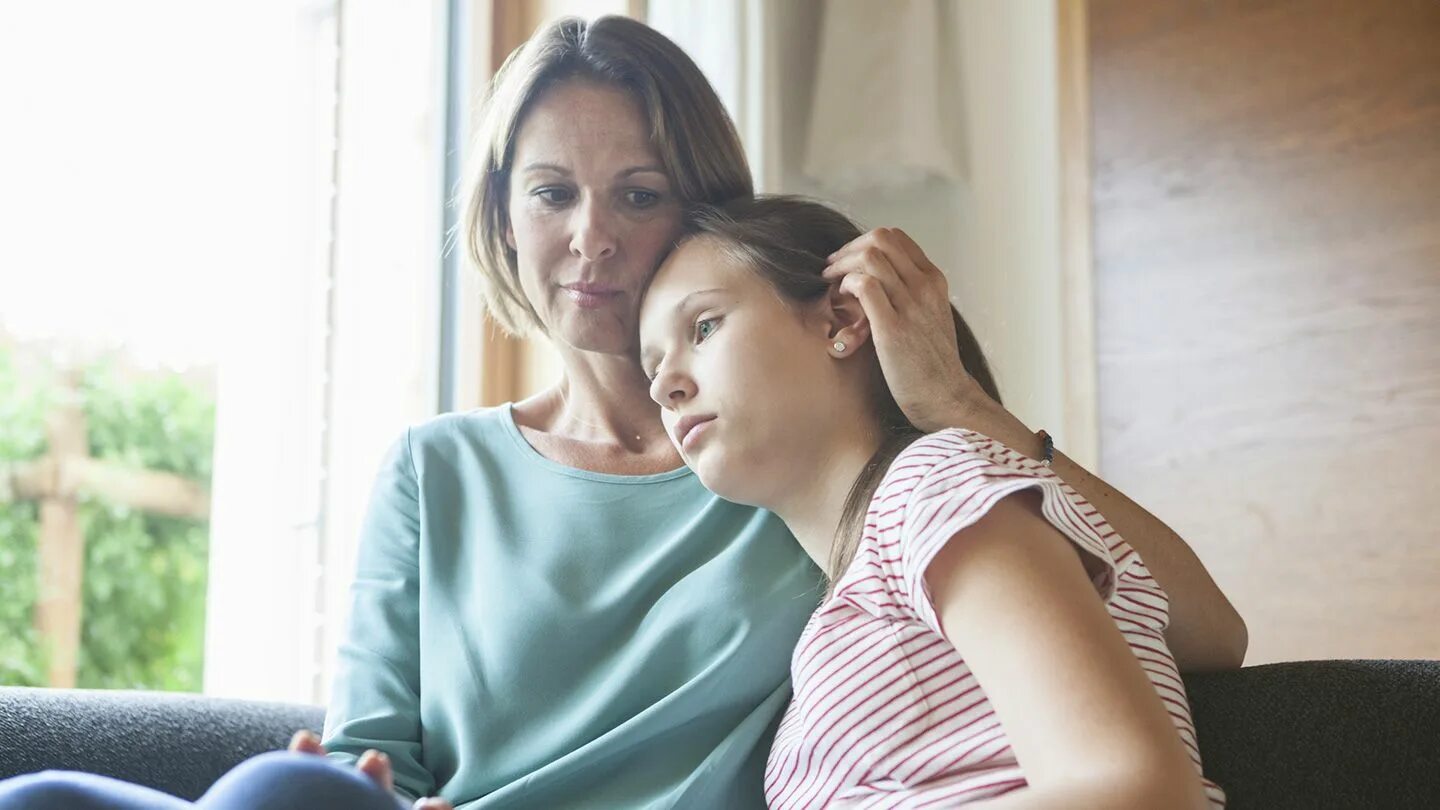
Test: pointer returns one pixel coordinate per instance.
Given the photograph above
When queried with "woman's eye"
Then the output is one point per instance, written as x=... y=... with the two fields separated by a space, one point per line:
x=640 y=198
x=705 y=328
x=553 y=195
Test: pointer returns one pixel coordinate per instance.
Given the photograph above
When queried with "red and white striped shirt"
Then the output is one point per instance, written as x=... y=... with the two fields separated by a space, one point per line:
x=886 y=713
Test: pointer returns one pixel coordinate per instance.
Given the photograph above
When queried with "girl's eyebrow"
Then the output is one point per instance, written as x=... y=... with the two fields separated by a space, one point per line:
x=680 y=307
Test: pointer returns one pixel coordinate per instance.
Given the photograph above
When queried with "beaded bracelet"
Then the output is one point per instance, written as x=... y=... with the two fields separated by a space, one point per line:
x=1047 y=451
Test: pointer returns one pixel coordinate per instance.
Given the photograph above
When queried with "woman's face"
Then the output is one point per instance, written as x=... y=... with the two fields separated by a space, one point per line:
x=591 y=213
x=746 y=384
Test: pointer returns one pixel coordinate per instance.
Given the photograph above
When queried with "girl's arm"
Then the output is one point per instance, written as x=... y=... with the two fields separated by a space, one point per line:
x=1206 y=633
x=907 y=301
x=1013 y=595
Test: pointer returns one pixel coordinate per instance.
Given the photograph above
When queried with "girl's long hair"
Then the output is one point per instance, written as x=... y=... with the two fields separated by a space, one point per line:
x=787 y=239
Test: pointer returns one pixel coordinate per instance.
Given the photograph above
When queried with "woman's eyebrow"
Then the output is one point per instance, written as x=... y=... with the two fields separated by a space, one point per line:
x=541 y=166
x=643 y=170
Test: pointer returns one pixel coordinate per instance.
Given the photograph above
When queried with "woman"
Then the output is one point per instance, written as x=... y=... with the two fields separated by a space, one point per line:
x=975 y=641
x=549 y=609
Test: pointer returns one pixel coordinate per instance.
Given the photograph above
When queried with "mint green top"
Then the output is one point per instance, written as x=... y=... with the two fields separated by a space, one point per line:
x=526 y=634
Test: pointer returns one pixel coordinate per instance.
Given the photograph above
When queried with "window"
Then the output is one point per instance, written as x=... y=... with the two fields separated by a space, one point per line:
x=227 y=218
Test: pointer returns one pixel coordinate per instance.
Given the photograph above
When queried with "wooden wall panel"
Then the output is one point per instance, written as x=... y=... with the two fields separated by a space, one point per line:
x=1267 y=255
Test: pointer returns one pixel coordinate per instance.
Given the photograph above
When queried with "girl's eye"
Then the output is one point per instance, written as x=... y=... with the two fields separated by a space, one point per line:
x=554 y=195
x=704 y=328
x=640 y=198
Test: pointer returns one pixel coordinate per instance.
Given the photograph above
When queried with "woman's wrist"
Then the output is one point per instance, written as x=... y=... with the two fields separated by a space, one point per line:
x=985 y=415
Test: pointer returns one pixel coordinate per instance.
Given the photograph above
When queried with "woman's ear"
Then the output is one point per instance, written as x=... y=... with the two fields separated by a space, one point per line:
x=510 y=235
x=848 y=326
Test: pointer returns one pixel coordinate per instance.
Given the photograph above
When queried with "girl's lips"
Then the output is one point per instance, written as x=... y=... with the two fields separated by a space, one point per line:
x=694 y=434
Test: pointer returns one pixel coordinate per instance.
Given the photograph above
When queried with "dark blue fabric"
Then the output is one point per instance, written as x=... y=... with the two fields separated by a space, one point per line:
x=277 y=780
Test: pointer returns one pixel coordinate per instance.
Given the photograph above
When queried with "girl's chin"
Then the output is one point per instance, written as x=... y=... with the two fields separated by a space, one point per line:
x=734 y=488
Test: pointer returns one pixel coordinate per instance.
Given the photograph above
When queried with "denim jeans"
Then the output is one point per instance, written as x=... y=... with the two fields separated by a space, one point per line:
x=278 y=780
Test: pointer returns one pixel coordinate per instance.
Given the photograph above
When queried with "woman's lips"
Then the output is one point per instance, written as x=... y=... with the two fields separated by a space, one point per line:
x=591 y=296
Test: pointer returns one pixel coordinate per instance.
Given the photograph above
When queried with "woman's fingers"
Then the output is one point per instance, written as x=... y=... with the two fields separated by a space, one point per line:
x=305 y=742
x=432 y=803
x=913 y=250
x=908 y=302
x=917 y=289
x=875 y=264
x=909 y=262
x=873 y=300
x=376 y=765
x=373 y=763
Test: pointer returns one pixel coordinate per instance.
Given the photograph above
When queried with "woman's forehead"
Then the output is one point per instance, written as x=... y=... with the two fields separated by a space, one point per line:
x=580 y=119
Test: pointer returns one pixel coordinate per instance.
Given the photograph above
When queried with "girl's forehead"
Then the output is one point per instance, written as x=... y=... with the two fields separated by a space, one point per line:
x=696 y=263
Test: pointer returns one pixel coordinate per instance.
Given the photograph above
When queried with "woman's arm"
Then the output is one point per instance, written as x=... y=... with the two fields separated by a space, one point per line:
x=1087 y=726
x=906 y=299
x=375 y=697
x=1206 y=632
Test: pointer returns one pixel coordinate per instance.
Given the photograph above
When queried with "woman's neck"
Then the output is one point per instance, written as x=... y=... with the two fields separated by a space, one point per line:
x=600 y=399
x=814 y=505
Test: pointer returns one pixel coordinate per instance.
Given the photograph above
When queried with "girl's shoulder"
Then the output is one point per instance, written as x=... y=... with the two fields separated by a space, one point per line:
x=954 y=450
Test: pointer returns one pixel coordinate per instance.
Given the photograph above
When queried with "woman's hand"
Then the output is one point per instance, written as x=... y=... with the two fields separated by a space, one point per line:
x=372 y=763
x=907 y=300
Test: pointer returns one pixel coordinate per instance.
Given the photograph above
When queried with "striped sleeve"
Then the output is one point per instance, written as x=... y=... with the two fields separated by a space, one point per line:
x=947 y=482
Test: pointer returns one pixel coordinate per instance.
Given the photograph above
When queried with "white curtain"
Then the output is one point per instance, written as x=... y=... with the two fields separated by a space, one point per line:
x=882 y=118
x=735 y=44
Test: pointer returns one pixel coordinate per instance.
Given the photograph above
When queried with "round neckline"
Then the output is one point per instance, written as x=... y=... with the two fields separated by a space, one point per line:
x=512 y=429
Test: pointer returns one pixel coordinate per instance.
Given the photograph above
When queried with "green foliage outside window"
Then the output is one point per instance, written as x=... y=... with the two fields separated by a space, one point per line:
x=145 y=575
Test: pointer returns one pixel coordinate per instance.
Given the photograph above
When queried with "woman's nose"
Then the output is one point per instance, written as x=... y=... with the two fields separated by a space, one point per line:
x=593 y=237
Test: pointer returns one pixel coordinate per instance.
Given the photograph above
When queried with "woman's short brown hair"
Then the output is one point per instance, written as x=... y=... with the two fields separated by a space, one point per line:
x=689 y=128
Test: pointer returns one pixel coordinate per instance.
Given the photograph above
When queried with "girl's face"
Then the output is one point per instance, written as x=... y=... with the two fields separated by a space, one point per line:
x=591 y=213
x=748 y=386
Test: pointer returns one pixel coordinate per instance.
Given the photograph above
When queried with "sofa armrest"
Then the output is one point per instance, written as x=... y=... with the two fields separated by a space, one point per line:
x=177 y=743
x=1315 y=734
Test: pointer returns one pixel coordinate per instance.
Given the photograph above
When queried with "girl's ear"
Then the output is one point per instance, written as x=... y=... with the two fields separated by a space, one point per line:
x=510 y=235
x=847 y=323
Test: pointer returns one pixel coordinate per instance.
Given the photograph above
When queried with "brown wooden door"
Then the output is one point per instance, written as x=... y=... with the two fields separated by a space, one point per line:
x=1266 y=188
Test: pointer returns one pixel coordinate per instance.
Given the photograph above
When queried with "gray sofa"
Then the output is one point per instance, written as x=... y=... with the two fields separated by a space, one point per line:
x=1312 y=734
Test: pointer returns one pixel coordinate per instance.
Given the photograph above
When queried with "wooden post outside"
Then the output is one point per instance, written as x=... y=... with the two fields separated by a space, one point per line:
x=57 y=480
x=62 y=543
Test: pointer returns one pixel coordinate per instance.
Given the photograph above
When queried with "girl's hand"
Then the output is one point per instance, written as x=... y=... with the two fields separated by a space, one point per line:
x=907 y=300
x=374 y=764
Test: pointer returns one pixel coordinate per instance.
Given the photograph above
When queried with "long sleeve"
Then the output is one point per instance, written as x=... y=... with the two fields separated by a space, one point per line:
x=375 y=699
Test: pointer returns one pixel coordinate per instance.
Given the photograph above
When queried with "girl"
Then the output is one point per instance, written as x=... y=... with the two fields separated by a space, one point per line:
x=985 y=632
